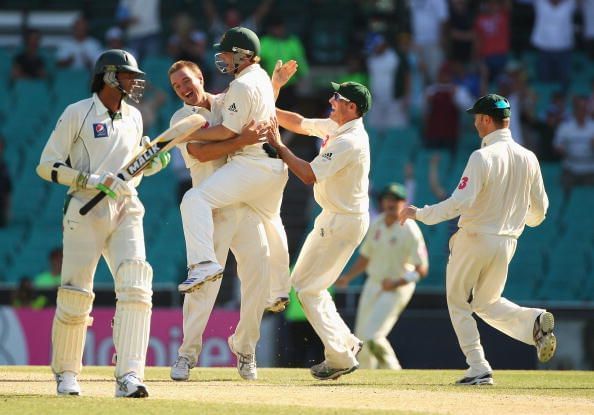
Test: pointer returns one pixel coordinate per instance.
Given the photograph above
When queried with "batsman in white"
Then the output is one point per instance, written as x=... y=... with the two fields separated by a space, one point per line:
x=236 y=226
x=94 y=139
x=395 y=259
x=340 y=178
x=501 y=191
x=253 y=175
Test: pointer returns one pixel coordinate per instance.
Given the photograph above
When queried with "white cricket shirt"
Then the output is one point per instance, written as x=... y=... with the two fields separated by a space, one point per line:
x=250 y=97
x=342 y=167
x=93 y=142
x=501 y=190
x=393 y=250
x=200 y=170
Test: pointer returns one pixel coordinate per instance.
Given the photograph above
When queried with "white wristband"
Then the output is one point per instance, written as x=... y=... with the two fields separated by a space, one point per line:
x=411 y=276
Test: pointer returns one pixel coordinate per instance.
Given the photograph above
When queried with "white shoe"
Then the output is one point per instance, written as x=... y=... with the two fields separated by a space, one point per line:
x=246 y=363
x=199 y=274
x=67 y=384
x=181 y=369
x=278 y=305
x=545 y=340
x=322 y=371
x=130 y=386
x=484 y=379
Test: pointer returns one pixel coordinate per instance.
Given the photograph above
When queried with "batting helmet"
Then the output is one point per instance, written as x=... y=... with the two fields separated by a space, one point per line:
x=240 y=41
x=113 y=61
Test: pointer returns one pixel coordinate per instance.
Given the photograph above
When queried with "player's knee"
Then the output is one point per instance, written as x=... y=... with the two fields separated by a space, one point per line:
x=73 y=305
x=133 y=282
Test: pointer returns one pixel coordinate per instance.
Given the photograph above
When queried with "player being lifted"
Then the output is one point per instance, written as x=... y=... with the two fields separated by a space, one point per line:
x=93 y=140
x=340 y=178
x=252 y=175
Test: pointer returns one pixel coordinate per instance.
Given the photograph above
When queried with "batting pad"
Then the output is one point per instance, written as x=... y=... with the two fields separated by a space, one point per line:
x=69 y=330
x=132 y=319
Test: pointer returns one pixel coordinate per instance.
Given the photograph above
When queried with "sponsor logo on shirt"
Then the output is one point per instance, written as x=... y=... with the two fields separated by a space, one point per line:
x=232 y=108
x=100 y=130
x=327 y=156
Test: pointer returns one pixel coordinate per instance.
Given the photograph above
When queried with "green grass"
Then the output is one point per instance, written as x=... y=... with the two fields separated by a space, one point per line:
x=31 y=390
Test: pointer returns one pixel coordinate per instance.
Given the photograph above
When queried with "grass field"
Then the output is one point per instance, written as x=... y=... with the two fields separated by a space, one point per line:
x=31 y=390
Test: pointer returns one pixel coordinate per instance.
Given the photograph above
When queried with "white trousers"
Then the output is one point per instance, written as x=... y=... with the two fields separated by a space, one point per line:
x=112 y=229
x=324 y=255
x=259 y=183
x=377 y=314
x=475 y=279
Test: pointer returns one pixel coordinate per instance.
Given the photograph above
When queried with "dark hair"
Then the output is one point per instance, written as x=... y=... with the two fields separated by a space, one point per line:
x=97 y=83
x=498 y=122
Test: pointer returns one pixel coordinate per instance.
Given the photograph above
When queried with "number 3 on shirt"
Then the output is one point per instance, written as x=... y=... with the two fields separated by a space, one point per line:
x=463 y=183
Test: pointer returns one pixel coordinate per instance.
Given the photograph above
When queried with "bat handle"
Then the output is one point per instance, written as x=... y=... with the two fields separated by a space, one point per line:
x=94 y=201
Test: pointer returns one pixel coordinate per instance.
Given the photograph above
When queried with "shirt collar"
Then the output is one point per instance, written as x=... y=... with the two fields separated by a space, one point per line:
x=248 y=69
x=357 y=122
x=503 y=134
x=100 y=108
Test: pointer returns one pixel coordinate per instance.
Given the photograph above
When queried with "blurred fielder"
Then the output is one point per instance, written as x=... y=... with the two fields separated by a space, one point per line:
x=501 y=191
x=395 y=259
x=340 y=178
x=236 y=226
x=93 y=140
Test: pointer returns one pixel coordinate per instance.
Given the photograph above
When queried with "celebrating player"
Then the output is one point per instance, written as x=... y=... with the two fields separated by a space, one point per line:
x=253 y=175
x=92 y=141
x=500 y=192
x=340 y=178
x=395 y=258
x=236 y=226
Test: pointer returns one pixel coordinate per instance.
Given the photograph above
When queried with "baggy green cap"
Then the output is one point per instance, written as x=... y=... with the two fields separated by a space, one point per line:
x=494 y=105
x=355 y=92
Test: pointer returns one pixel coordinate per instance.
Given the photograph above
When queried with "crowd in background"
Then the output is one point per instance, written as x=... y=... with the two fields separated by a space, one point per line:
x=424 y=61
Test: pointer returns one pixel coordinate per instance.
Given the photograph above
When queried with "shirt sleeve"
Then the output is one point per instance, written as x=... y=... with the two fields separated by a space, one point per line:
x=319 y=127
x=418 y=252
x=58 y=146
x=539 y=201
x=464 y=195
x=333 y=159
x=365 y=248
x=236 y=108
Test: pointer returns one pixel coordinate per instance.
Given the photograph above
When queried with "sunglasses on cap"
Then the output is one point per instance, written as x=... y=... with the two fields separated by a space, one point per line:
x=339 y=97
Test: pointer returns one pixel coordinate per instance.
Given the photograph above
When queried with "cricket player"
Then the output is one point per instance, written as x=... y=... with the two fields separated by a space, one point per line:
x=93 y=140
x=395 y=259
x=501 y=191
x=340 y=178
x=236 y=226
x=253 y=175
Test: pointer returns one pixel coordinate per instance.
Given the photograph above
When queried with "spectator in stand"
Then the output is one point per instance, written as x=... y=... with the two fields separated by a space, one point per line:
x=189 y=44
x=142 y=21
x=552 y=36
x=114 y=39
x=5 y=188
x=444 y=102
x=459 y=30
x=355 y=70
x=428 y=19
x=472 y=76
x=82 y=50
x=588 y=29
x=278 y=44
x=50 y=278
x=383 y=64
x=233 y=18
x=574 y=140
x=29 y=63
x=25 y=297
x=492 y=34
x=547 y=125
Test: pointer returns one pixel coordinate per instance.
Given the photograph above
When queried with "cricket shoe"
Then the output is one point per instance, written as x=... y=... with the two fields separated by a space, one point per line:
x=484 y=379
x=278 y=305
x=246 y=362
x=67 y=384
x=544 y=339
x=322 y=371
x=130 y=386
x=199 y=274
x=180 y=370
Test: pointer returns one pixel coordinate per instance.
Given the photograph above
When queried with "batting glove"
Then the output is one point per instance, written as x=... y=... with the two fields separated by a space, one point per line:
x=109 y=184
x=159 y=163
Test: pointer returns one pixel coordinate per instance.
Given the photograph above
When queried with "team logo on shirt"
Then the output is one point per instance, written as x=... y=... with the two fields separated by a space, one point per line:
x=100 y=130
x=232 y=108
x=463 y=183
x=327 y=156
